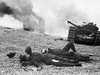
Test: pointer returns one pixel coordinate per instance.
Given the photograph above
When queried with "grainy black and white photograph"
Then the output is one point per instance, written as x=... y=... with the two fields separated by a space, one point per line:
x=49 y=37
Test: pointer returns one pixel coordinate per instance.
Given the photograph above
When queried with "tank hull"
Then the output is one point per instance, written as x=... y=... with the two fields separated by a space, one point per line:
x=83 y=37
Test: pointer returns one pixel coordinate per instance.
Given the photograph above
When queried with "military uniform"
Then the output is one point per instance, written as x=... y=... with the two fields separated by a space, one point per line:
x=36 y=58
x=70 y=55
x=49 y=59
x=65 y=50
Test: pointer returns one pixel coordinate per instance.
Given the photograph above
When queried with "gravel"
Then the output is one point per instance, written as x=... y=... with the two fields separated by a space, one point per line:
x=17 y=40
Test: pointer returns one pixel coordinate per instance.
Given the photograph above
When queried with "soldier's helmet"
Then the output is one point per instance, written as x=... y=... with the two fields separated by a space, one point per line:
x=28 y=50
x=44 y=50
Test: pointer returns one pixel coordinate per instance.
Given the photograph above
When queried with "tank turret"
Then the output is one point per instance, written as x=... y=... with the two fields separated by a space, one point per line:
x=86 y=33
x=77 y=26
x=90 y=27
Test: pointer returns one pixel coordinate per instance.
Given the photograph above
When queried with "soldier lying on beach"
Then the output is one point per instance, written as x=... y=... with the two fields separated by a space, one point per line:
x=36 y=58
x=69 y=54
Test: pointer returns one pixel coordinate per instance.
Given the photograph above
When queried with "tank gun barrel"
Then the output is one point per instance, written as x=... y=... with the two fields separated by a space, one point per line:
x=73 y=24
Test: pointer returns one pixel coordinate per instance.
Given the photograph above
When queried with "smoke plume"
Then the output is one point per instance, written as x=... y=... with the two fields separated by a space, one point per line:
x=57 y=13
x=4 y=9
x=46 y=16
x=21 y=10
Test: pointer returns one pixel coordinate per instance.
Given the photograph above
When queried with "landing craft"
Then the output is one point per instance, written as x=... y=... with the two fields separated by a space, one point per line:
x=85 y=34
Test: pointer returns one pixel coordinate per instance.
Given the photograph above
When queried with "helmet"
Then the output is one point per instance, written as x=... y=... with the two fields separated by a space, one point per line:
x=28 y=50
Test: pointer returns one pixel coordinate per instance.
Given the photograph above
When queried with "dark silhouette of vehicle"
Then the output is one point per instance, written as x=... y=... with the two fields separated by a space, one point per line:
x=85 y=34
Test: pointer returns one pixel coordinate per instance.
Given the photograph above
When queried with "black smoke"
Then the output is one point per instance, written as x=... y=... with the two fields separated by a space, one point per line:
x=22 y=12
x=5 y=9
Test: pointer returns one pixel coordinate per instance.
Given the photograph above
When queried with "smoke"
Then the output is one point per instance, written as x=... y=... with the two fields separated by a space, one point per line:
x=20 y=12
x=4 y=9
x=57 y=13
x=66 y=13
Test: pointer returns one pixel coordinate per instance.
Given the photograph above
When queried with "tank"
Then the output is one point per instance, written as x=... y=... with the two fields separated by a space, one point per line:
x=85 y=34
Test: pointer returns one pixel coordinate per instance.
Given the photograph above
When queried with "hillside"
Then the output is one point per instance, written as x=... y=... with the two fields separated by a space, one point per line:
x=17 y=40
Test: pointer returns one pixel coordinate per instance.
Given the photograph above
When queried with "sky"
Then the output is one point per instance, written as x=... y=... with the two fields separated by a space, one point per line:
x=91 y=8
x=56 y=13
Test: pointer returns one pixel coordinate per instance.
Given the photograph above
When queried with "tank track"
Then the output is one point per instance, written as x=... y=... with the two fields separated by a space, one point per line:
x=71 y=34
x=97 y=39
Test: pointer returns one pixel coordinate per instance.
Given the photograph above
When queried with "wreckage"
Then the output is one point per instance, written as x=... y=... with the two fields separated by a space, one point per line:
x=85 y=34
x=40 y=27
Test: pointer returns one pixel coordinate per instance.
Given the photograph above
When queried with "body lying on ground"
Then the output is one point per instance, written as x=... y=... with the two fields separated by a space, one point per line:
x=69 y=54
x=36 y=59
